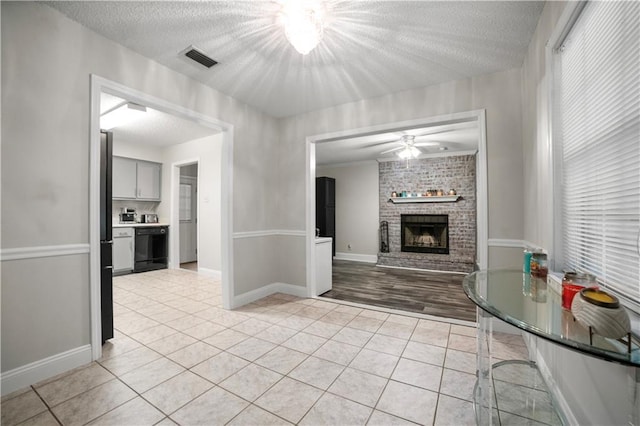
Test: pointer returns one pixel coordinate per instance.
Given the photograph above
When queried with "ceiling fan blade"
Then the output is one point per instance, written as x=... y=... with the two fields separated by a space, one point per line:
x=393 y=149
x=427 y=137
x=427 y=144
x=375 y=144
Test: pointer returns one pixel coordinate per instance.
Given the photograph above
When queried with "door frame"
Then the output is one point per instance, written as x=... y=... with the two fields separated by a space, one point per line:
x=482 y=208
x=97 y=86
x=174 y=261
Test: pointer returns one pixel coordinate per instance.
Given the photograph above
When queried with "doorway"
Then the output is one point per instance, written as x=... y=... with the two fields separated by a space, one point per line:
x=188 y=217
x=99 y=86
x=368 y=135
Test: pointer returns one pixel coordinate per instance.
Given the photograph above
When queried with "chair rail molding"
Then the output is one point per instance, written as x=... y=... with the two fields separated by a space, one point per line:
x=269 y=233
x=38 y=252
x=506 y=242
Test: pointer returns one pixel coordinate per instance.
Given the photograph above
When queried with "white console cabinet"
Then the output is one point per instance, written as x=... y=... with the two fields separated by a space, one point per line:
x=324 y=259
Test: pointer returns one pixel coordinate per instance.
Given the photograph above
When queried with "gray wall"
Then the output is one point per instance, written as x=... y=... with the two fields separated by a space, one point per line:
x=45 y=169
x=356 y=206
x=45 y=308
x=209 y=152
x=191 y=171
x=498 y=93
x=598 y=392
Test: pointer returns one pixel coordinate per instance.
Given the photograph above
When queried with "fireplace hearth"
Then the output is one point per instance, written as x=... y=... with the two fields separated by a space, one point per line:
x=425 y=233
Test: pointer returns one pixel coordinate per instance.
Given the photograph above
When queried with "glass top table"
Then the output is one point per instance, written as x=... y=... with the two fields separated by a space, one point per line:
x=532 y=306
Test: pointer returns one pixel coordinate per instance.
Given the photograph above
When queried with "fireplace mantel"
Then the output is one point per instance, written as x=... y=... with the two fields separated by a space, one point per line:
x=433 y=199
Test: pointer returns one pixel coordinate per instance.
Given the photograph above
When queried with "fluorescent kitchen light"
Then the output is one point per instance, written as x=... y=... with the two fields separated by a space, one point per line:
x=121 y=115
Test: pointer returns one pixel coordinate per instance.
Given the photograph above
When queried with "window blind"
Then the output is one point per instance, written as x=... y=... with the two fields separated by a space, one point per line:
x=596 y=124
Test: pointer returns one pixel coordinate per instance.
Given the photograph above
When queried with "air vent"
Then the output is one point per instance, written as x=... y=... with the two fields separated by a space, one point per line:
x=199 y=57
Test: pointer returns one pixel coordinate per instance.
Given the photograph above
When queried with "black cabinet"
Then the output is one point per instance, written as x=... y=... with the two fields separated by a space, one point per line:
x=326 y=208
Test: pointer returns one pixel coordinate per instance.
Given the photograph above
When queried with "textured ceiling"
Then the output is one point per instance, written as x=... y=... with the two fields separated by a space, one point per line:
x=370 y=48
x=435 y=140
x=154 y=128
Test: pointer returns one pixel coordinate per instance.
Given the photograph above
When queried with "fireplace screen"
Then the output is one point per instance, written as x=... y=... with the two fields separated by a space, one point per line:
x=425 y=233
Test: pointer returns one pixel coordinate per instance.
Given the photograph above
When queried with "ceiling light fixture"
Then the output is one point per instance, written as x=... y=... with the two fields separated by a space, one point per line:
x=303 y=23
x=409 y=150
x=122 y=114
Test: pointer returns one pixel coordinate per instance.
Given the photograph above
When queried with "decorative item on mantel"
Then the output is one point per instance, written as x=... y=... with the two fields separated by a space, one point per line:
x=602 y=314
x=431 y=196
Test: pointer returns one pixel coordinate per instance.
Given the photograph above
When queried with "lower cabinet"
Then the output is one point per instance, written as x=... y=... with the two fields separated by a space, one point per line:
x=324 y=261
x=123 y=250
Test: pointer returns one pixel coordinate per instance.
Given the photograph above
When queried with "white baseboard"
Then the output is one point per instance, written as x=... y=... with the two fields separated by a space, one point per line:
x=43 y=369
x=367 y=258
x=422 y=270
x=259 y=293
x=211 y=273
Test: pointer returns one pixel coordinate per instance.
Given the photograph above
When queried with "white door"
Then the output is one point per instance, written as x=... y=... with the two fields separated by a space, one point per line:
x=188 y=219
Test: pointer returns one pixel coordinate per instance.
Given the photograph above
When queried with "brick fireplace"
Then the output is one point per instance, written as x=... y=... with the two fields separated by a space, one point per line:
x=438 y=236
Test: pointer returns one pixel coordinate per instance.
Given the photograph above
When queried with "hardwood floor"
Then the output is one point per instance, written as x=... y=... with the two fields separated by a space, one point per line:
x=191 y=266
x=432 y=293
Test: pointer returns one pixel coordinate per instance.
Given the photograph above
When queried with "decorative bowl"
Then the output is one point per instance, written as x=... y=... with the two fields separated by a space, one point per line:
x=601 y=311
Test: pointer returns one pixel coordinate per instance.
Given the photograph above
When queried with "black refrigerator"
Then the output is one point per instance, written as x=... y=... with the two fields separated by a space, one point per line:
x=326 y=209
x=106 y=240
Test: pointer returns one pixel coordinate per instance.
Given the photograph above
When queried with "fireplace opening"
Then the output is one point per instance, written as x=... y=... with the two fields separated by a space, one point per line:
x=425 y=233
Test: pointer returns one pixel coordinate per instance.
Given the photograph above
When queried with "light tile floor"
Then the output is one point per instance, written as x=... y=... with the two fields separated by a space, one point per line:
x=179 y=358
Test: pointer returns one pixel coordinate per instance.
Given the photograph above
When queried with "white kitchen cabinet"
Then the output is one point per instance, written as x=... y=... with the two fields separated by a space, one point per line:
x=148 y=180
x=124 y=178
x=324 y=261
x=123 y=250
x=136 y=179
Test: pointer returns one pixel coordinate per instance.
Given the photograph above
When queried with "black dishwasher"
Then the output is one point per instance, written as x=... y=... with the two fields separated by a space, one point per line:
x=152 y=248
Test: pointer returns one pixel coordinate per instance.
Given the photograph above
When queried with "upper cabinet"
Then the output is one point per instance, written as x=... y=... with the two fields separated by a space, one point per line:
x=148 y=180
x=136 y=179
x=124 y=178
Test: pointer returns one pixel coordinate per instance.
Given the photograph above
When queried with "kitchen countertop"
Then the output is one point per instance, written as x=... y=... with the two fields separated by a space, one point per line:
x=137 y=225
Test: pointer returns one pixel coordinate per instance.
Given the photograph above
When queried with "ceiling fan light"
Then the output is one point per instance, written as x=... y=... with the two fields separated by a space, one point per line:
x=303 y=24
x=405 y=154
x=409 y=153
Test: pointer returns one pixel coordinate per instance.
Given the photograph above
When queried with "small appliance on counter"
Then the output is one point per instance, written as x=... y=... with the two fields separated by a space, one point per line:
x=149 y=218
x=128 y=215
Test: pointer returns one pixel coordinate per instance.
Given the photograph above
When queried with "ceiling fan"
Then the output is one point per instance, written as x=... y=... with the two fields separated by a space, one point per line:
x=408 y=147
